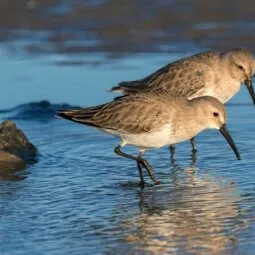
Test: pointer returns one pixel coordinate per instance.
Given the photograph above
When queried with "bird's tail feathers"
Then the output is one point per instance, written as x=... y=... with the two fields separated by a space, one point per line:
x=128 y=88
x=83 y=116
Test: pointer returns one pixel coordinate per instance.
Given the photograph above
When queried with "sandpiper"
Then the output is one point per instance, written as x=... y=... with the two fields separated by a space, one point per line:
x=209 y=73
x=152 y=120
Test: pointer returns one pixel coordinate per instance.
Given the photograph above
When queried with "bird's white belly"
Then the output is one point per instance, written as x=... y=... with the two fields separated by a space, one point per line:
x=153 y=139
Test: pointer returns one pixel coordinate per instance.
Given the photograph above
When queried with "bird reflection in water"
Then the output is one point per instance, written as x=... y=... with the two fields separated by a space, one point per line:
x=193 y=158
x=194 y=214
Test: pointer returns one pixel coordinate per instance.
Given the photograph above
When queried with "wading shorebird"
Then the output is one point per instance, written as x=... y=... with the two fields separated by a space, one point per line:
x=209 y=73
x=153 y=120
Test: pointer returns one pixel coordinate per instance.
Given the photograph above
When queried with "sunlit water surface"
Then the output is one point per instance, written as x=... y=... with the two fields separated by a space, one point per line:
x=81 y=198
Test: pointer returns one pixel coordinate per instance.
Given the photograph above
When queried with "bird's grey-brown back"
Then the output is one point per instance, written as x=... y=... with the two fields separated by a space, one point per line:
x=173 y=76
x=158 y=114
x=135 y=113
x=217 y=74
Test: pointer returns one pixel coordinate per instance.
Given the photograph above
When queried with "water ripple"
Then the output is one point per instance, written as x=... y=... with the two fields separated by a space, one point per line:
x=81 y=198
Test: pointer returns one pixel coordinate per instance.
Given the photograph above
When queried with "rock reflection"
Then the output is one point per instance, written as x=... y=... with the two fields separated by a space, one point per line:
x=8 y=170
x=194 y=214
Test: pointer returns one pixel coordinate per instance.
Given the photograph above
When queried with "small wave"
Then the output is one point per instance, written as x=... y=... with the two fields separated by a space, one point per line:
x=41 y=111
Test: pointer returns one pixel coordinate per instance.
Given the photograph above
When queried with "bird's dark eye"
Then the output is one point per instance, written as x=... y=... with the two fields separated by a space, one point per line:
x=216 y=114
x=240 y=67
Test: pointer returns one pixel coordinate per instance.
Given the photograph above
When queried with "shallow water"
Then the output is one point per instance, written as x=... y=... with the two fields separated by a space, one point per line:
x=81 y=198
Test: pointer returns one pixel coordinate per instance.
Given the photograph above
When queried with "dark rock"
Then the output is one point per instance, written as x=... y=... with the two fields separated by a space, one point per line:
x=15 y=149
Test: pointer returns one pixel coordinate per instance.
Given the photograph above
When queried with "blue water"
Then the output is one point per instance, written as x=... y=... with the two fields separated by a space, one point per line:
x=80 y=197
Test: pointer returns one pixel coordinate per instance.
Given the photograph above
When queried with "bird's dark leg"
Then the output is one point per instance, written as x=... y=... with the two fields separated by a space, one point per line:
x=140 y=161
x=123 y=154
x=193 y=144
x=194 y=157
x=172 y=153
x=149 y=170
x=172 y=148
x=142 y=182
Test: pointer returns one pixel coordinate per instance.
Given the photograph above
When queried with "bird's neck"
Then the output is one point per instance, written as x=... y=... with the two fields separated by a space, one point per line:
x=189 y=126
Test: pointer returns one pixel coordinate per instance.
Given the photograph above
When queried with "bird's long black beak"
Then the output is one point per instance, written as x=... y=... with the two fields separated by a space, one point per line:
x=229 y=139
x=249 y=86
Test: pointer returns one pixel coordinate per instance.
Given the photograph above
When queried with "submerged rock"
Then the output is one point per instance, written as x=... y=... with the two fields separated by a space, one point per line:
x=15 y=149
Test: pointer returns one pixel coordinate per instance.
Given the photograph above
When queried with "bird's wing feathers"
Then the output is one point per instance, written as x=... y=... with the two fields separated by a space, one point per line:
x=134 y=114
x=183 y=77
